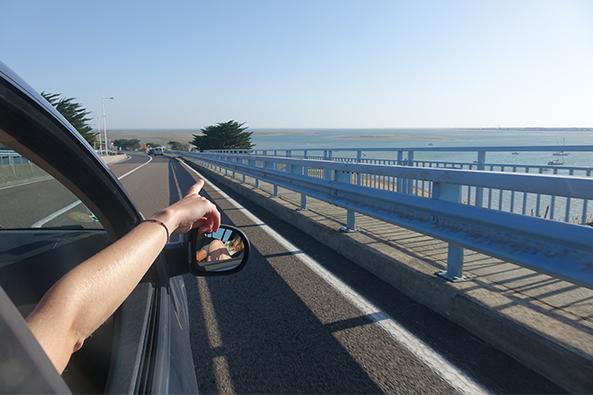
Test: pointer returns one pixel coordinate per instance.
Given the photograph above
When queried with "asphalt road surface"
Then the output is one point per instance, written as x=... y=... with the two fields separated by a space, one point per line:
x=301 y=318
x=48 y=203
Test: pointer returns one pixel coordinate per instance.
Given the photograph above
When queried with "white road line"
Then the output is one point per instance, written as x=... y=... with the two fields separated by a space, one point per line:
x=55 y=214
x=69 y=207
x=136 y=168
x=455 y=377
x=25 y=183
x=128 y=157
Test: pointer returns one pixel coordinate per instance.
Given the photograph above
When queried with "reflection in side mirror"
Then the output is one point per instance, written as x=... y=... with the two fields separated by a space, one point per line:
x=222 y=252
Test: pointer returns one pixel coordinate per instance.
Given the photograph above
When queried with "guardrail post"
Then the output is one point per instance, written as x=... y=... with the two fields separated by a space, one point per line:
x=327 y=173
x=11 y=163
x=358 y=175
x=450 y=193
x=409 y=184
x=294 y=169
x=236 y=160
x=303 y=201
x=399 y=182
x=479 y=190
x=272 y=166
x=32 y=174
x=251 y=163
x=410 y=161
x=345 y=177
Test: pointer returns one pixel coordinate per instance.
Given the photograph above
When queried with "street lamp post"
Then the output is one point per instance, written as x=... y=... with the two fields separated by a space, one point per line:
x=106 y=142
x=98 y=135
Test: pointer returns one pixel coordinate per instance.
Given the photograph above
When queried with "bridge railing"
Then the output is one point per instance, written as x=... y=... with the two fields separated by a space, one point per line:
x=9 y=158
x=536 y=205
x=16 y=168
x=407 y=157
x=429 y=201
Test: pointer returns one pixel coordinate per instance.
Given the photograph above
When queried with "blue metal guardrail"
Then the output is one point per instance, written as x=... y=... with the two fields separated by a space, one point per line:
x=406 y=157
x=429 y=201
x=11 y=158
x=488 y=197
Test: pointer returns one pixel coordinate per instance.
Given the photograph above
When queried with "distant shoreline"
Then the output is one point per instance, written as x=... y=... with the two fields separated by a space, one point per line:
x=163 y=136
x=197 y=130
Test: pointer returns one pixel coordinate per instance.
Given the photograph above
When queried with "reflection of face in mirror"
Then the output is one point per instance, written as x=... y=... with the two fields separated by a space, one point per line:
x=219 y=251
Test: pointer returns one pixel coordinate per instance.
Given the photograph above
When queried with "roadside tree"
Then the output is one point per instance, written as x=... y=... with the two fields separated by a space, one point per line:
x=74 y=113
x=127 y=144
x=177 y=146
x=224 y=135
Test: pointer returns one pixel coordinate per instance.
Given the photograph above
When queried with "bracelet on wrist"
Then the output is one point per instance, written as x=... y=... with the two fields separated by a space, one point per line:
x=156 y=221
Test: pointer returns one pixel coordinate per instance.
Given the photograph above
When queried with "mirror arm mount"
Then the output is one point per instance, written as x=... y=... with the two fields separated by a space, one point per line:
x=177 y=258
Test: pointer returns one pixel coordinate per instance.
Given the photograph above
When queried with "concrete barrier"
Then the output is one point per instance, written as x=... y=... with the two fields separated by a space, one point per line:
x=111 y=159
x=567 y=366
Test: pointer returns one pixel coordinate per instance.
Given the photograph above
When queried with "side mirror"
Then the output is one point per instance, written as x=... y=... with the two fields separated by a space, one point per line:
x=225 y=251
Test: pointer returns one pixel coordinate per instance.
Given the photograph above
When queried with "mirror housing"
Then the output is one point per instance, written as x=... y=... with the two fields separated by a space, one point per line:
x=223 y=252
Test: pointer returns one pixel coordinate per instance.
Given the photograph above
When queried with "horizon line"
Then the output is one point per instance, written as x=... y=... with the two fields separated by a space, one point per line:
x=377 y=128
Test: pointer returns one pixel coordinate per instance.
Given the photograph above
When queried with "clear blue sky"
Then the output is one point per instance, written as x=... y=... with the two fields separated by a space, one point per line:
x=318 y=63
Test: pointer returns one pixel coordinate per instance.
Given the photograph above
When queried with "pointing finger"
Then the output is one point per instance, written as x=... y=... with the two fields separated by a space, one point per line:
x=196 y=188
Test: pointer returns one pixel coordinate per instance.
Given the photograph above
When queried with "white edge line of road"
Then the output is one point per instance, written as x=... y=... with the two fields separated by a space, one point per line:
x=69 y=207
x=24 y=183
x=453 y=376
x=135 y=168
x=128 y=157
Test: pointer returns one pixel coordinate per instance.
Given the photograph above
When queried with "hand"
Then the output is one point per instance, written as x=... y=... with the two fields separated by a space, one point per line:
x=193 y=211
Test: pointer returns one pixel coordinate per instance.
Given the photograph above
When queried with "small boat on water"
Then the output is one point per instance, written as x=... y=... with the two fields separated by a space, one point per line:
x=555 y=162
x=561 y=153
x=514 y=153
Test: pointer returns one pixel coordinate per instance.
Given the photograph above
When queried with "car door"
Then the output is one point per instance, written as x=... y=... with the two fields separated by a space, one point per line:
x=147 y=339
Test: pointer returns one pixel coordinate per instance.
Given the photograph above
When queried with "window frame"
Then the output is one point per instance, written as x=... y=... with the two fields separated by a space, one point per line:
x=49 y=143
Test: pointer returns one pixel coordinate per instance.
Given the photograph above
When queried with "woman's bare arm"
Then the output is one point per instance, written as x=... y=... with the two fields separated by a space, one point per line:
x=91 y=292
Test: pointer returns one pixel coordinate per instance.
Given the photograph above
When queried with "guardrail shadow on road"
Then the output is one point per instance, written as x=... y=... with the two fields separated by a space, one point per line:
x=483 y=271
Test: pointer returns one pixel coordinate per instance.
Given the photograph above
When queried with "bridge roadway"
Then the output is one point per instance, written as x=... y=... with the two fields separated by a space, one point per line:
x=301 y=318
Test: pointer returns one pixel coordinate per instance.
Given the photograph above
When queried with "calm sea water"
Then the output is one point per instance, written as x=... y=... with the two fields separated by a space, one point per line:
x=396 y=138
x=409 y=138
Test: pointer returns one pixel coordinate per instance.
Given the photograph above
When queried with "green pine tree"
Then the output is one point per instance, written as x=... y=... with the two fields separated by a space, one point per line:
x=177 y=146
x=224 y=135
x=127 y=144
x=74 y=113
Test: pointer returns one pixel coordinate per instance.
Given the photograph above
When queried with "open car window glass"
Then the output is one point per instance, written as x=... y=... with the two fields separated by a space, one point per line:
x=31 y=198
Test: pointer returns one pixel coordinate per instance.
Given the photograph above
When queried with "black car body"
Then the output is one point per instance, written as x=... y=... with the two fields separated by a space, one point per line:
x=145 y=345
